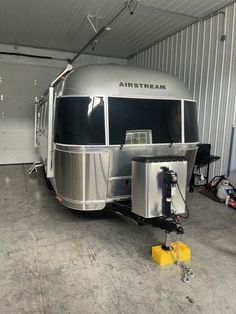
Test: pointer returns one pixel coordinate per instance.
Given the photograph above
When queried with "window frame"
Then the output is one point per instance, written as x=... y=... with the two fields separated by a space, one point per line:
x=107 y=122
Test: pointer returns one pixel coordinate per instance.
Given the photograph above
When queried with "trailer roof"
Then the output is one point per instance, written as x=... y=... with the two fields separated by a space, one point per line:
x=127 y=81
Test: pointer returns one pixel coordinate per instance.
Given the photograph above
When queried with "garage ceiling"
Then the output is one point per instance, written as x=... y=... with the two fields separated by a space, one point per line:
x=63 y=25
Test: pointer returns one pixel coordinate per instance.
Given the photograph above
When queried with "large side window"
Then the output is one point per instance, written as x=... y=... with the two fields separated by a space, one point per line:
x=190 y=122
x=80 y=121
x=144 y=121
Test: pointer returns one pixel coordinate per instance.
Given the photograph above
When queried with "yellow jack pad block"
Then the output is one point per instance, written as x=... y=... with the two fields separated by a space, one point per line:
x=163 y=257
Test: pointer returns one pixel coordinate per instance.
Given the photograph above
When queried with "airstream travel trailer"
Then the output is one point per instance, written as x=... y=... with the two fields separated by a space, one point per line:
x=110 y=133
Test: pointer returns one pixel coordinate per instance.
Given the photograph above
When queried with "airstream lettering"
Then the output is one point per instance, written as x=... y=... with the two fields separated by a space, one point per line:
x=142 y=85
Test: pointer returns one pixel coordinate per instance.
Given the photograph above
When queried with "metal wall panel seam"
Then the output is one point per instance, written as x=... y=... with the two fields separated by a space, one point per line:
x=224 y=123
x=232 y=101
x=149 y=63
x=140 y=59
x=201 y=71
x=207 y=79
x=163 y=55
x=176 y=46
x=167 y=54
x=171 y=54
x=159 y=56
x=180 y=55
x=154 y=57
x=149 y=58
x=191 y=57
x=220 y=96
x=136 y=60
x=132 y=61
x=185 y=59
x=145 y=58
x=234 y=49
x=196 y=62
x=178 y=52
x=233 y=171
x=229 y=81
x=214 y=78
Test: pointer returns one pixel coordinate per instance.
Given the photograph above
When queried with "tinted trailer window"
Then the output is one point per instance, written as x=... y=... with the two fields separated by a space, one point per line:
x=190 y=122
x=131 y=118
x=80 y=121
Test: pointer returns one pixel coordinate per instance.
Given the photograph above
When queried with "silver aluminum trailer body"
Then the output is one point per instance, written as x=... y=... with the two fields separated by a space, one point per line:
x=102 y=117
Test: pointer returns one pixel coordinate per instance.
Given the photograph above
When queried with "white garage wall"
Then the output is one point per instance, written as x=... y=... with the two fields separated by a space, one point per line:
x=207 y=65
x=21 y=80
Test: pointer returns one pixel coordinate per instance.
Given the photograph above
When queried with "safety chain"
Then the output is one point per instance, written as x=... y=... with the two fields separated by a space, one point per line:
x=186 y=272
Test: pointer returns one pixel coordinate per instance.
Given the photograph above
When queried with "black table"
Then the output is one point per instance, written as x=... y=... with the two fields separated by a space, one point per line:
x=202 y=162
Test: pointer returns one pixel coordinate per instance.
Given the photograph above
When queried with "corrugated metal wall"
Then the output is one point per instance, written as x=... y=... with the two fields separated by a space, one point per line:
x=21 y=80
x=207 y=65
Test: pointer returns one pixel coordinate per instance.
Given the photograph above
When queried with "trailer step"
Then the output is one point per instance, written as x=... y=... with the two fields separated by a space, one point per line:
x=35 y=166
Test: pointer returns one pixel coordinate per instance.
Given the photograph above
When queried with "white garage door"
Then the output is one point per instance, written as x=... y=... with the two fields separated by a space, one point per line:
x=19 y=85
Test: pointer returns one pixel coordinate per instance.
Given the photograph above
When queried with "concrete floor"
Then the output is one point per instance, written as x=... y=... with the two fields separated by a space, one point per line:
x=54 y=260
